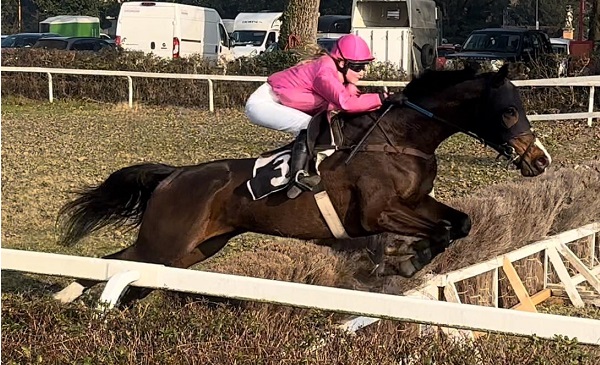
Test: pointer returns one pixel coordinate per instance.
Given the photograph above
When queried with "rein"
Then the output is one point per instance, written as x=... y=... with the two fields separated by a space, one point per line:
x=506 y=150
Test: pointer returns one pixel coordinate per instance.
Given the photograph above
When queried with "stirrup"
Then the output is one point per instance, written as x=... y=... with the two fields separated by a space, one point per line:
x=305 y=181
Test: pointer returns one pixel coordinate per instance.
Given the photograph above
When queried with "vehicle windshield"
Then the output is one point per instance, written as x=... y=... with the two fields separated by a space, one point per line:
x=326 y=43
x=248 y=37
x=493 y=42
x=559 y=48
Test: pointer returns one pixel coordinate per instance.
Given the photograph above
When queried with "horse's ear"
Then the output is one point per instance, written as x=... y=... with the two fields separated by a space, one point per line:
x=500 y=76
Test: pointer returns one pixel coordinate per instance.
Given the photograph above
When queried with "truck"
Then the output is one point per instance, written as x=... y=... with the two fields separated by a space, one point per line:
x=172 y=30
x=403 y=33
x=71 y=26
x=253 y=33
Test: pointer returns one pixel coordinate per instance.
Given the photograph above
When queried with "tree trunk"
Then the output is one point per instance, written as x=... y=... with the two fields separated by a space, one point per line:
x=299 y=27
x=594 y=34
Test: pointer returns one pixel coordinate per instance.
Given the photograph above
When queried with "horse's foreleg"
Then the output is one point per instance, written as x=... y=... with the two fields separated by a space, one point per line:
x=460 y=223
x=380 y=213
x=400 y=219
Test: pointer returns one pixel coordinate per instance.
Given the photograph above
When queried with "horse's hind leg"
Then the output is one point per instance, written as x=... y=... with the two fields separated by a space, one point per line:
x=200 y=253
x=205 y=250
x=80 y=286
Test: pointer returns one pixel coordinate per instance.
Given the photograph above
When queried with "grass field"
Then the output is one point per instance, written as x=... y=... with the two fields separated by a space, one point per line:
x=50 y=149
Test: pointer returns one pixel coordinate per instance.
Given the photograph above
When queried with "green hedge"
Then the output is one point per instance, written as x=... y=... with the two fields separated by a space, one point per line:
x=227 y=94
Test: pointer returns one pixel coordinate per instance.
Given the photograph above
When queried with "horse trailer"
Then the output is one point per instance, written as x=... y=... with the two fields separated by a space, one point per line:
x=403 y=33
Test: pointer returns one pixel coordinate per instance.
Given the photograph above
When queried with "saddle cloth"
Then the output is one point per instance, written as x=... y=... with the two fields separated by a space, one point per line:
x=270 y=174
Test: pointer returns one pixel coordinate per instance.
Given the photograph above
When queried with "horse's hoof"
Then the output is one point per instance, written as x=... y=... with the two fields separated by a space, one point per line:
x=424 y=256
x=416 y=263
x=70 y=293
x=407 y=269
x=378 y=270
x=421 y=245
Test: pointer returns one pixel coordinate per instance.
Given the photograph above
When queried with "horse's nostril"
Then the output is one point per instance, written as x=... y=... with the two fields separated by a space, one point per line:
x=541 y=163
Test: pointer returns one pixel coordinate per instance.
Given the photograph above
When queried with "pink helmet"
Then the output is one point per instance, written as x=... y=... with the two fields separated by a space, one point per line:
x=352 y=48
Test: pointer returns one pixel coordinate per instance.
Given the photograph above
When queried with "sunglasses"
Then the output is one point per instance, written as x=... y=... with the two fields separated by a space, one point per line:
x=357 y=67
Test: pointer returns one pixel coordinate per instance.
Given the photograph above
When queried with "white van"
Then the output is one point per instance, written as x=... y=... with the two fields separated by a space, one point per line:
x=172 y=30
x=253 y=33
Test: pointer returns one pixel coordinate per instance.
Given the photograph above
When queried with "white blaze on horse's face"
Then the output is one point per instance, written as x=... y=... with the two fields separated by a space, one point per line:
x=533 y=158
x=539 y=145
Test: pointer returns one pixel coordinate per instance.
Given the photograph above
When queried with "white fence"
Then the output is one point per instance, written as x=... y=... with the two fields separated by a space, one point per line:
x=551 y=247
x=404 y=308
x=584 y=81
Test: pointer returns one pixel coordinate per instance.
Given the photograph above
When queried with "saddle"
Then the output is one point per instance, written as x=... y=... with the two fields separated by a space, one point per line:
x=324 y=134
x=271 y=171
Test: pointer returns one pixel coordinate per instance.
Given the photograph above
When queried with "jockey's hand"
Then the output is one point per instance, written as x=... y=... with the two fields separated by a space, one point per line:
x=396 y=98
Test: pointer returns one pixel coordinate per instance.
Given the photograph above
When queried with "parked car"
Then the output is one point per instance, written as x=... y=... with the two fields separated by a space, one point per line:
x=442 y=51
x=500 y=45
x=560 y=45
x=22 y=40
x=327 y=43
x=74 y=43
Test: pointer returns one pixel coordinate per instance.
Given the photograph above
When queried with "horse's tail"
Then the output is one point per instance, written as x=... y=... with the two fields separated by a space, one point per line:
x=120 y=200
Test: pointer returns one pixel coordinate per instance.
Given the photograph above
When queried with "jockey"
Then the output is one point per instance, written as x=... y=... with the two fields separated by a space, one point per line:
x=290 y=98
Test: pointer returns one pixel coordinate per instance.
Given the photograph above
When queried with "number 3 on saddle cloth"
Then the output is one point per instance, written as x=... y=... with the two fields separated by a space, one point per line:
x=271 y=172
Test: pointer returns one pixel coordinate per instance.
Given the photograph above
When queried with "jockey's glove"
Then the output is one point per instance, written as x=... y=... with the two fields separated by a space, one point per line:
x=395 y=98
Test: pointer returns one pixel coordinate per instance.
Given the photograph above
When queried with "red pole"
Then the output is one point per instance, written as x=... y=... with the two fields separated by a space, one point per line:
x=581 y=11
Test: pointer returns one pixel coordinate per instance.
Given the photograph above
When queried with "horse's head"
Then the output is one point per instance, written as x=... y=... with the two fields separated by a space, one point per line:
x=506 y=124
x=489 y=106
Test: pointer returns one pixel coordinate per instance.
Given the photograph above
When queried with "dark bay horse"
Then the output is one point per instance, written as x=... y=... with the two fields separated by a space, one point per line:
x=187 y=214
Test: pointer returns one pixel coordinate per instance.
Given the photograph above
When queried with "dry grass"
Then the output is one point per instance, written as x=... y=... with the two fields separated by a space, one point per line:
x=48 y=150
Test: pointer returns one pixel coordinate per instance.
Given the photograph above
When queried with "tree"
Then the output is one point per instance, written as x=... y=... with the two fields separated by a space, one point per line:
x=10 y=16
x=299 y=26
x=461 y=17
x=594 y=34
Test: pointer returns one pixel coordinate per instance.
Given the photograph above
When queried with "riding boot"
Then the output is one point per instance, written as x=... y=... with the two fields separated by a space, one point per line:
x=300 y=177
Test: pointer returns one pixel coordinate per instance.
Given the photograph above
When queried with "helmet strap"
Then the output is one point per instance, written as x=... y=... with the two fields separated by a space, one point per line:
x=342 y=69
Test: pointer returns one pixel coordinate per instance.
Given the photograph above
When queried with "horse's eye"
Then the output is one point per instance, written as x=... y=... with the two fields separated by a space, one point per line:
x=510 y=117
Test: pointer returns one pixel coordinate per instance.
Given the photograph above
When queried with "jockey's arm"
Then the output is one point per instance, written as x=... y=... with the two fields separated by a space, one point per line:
x=331 y=89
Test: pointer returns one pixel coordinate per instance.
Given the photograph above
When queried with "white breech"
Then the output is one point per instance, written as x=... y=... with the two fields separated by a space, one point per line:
x=263 y=108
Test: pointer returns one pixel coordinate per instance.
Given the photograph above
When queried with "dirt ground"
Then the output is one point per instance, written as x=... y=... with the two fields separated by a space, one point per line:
x=49 y=150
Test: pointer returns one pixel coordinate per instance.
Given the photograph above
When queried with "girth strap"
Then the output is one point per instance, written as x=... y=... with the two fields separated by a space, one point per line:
x=396 y=149
x=330 y=215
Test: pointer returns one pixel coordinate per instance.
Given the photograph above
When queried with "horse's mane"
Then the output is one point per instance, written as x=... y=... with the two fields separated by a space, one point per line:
x=432 y=82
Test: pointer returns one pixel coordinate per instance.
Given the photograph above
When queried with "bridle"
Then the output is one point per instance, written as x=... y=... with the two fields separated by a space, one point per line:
x=504 y=150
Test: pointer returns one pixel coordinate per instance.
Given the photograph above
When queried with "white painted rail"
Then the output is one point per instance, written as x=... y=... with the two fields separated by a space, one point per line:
x=583 y=81
x=309 y=296
x=430 y=290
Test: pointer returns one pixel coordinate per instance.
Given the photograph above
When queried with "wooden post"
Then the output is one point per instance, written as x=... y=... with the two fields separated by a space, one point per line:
x=564 y=276
x=517 y=285
x=580 y=266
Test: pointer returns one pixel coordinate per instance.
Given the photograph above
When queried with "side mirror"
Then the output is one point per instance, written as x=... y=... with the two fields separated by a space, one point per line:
x=230 y=43
x=457 y=47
